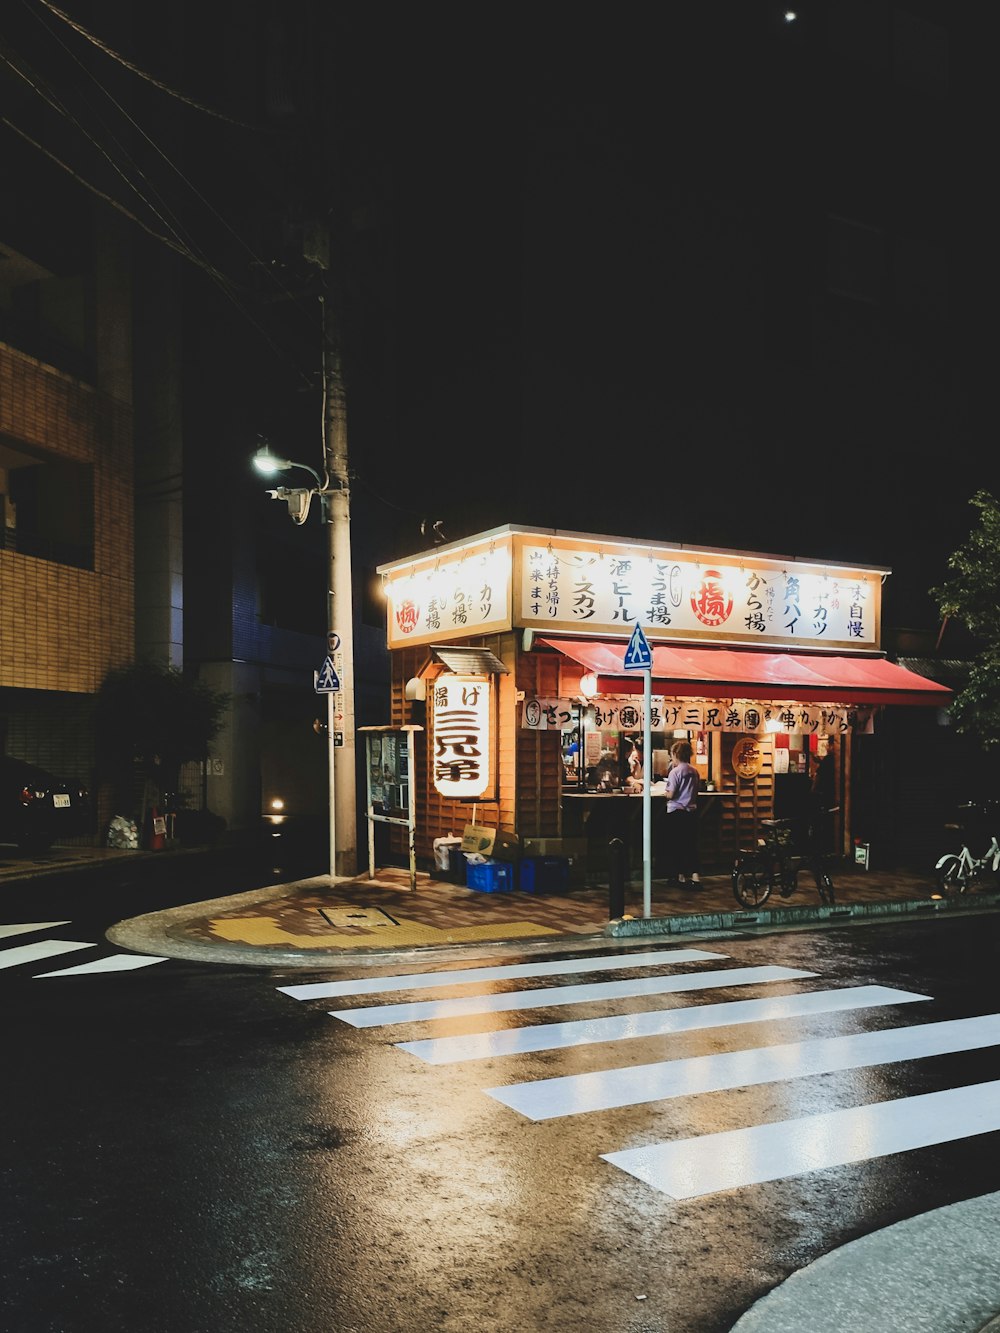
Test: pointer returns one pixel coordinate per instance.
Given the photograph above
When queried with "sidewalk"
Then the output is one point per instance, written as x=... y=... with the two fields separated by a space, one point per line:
x=318 y=923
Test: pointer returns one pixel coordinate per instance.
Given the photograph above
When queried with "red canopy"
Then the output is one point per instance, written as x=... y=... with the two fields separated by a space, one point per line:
x=750 y=673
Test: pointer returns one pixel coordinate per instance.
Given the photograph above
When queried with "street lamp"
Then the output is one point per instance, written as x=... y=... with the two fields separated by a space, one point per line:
x=333 y=494
x=297 y=498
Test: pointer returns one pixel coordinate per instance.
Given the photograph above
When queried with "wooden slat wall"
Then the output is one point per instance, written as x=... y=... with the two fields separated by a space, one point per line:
x=754 y=800
x=539 y=753
x=438 y=816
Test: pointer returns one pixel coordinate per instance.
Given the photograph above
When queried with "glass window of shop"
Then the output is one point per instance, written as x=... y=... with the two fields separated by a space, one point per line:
x=601 y=761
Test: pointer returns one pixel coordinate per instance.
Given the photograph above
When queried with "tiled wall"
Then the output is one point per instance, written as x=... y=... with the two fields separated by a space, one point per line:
x=63 y=628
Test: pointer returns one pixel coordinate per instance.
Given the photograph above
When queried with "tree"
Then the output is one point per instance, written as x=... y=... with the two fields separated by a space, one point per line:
x=971 y=596
x=157 y=718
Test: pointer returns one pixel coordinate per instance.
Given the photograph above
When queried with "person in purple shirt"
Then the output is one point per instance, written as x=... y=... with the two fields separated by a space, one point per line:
x=682 y=818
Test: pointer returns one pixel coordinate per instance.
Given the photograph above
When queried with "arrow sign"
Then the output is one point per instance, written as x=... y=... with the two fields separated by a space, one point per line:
x=326 y=680
x=638 y=654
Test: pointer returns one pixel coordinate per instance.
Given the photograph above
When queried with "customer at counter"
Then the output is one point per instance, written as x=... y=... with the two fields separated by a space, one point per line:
x=682 y=818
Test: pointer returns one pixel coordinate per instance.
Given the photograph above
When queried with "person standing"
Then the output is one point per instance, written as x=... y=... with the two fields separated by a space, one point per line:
x=682 y=818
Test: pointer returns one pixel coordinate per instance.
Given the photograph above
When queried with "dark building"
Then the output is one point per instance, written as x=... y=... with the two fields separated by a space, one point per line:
x=716 y=280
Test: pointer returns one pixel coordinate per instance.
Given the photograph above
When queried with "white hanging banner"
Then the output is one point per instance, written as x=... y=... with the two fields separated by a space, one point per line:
x=462 y=709
x=668 y=715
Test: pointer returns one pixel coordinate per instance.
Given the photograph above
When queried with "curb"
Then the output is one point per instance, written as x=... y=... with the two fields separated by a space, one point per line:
x=623 y=928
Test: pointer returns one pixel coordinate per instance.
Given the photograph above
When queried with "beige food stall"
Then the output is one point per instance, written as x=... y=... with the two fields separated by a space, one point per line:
x=508 y=648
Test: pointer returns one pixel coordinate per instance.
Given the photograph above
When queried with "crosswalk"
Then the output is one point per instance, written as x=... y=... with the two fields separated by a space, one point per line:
x=40 y=951
x=695 y=987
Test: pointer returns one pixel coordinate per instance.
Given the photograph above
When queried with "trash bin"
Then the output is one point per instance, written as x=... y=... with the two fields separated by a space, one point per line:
x=488 y=876
x=456 y=862
x=442 y=848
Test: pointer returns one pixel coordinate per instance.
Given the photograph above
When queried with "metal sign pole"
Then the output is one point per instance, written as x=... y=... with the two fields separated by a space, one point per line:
x=647 y=769
x=331 y=748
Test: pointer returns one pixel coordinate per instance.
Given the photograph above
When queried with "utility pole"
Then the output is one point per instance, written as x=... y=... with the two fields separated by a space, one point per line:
x=340 y=596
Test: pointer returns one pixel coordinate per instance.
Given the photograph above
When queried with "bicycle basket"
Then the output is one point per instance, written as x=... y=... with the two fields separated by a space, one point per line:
x=778 y=834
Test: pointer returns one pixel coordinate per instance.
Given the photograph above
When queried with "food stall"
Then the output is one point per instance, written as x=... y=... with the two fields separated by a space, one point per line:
x=508 y=648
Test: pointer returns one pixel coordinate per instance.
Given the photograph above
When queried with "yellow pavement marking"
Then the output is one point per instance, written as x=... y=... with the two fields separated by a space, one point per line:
x=264 y=930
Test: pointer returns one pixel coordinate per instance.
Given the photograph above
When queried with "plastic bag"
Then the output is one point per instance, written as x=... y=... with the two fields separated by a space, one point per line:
x=123 y=832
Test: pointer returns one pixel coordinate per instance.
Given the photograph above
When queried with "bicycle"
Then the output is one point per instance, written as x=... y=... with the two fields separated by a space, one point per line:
x=958 y=872
x=776 y=862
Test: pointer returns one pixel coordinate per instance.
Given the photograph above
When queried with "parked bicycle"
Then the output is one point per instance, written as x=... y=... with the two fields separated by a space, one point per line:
x=961 y=871
x=775 y=863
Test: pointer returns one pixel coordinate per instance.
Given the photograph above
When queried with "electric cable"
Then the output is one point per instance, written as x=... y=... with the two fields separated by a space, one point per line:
x=141 y=73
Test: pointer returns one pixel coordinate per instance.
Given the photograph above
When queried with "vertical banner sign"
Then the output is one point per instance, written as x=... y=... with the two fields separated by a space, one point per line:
x=462 y=711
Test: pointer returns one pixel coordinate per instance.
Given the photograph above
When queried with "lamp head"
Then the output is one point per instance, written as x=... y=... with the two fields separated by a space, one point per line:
x=268 y=462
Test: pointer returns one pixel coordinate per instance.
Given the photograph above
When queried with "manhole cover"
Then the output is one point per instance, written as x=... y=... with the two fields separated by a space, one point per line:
x=357 y=918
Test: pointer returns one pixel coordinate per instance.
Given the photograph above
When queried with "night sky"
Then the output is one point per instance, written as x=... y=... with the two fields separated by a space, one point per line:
x=612 y=271
x=593 y=261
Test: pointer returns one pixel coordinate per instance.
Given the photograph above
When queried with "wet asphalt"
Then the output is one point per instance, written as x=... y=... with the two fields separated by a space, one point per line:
x=934 y=1273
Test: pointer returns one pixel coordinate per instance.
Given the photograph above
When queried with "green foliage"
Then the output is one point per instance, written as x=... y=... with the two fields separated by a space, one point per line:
x=157 y=717
x=971 y=596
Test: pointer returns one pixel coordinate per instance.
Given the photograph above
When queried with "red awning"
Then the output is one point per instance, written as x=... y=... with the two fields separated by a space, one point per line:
x=750 y=673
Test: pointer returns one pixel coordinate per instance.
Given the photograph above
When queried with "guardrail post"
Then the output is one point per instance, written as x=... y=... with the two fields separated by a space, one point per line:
x=616 y=879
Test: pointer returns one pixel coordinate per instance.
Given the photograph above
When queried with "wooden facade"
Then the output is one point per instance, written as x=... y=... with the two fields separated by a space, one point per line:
x=529 y=800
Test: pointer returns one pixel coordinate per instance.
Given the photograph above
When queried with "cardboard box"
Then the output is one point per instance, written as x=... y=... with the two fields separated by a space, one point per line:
x=491 y=842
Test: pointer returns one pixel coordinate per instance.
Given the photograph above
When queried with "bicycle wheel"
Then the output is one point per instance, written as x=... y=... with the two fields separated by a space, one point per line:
x=751 y=883
x=952 y=876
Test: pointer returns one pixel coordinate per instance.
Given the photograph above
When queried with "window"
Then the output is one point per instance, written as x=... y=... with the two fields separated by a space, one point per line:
x=48 y=511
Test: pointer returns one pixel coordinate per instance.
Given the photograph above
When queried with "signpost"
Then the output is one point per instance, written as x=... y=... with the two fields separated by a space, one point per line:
x=327 y=681
x=639 y=657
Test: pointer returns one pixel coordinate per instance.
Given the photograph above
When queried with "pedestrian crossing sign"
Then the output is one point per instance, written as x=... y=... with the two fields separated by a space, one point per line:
x=638 y=654
x=326 y=680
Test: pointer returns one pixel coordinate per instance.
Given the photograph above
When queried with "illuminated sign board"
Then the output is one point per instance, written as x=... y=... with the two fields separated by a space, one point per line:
x=706 y=597
x=462 y=708
x=576 y=584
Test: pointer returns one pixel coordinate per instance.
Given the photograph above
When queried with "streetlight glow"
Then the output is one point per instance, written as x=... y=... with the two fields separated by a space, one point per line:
x=269 y=463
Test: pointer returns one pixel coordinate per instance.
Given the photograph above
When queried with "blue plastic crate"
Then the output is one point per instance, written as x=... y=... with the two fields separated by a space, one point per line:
x=490 y=876
x=544 y=874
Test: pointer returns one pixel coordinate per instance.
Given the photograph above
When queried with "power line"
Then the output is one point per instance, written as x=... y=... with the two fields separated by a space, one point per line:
x=163 y=155
x=110 y=200
x=143 y=74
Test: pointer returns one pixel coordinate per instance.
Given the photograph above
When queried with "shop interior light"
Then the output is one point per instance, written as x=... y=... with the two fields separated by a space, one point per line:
x=588 y=685
x=772 y=724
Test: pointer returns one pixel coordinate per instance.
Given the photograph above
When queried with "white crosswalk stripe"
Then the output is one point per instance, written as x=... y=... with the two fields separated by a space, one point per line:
x=116 y=962
x=689 y=1018
x=327 y=990
x=28 y=927
x=421 y=1010
x=22 y=955
x=688 y=1167
x=604 y=1089
x=41 y=949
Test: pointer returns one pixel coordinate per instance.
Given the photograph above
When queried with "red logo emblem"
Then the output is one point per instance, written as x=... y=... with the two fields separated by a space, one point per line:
x=407 y=614
x=710 y=602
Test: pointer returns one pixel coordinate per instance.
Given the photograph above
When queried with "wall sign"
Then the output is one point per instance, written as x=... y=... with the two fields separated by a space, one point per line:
x=706 y=597
x=748 y=758
x=462 y=712
x=563 y=583
x=668 y=715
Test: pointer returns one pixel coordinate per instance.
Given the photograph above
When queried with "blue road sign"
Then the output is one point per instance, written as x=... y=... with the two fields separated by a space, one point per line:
x=638 y=654
x=326 y=679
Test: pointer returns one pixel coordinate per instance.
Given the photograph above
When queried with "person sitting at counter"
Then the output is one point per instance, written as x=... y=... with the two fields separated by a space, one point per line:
x=634 y=780
x=682 y=818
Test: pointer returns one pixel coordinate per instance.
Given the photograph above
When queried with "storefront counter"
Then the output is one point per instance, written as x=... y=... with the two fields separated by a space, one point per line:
x=600 y=816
